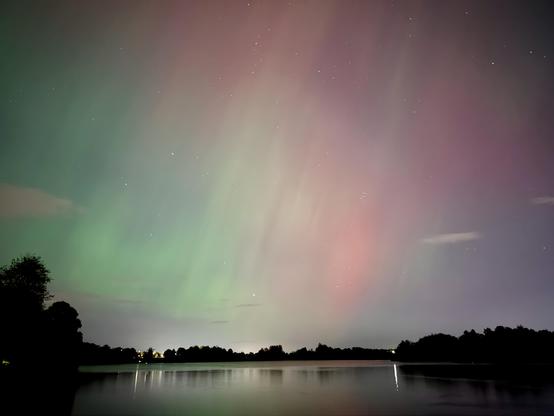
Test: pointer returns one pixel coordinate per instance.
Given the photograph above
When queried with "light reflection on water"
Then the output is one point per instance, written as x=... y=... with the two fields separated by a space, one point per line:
x=303 y=388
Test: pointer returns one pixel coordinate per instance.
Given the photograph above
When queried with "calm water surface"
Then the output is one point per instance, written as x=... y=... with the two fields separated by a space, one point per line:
x=307 y=388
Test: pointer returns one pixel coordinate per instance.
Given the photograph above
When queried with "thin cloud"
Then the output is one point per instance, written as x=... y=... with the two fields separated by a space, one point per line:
x=247 y=305
x=452 y=238
x=21 y=202
x=543 y=200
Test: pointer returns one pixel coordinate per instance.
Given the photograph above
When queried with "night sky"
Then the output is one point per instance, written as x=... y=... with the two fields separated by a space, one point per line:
x=246 y=173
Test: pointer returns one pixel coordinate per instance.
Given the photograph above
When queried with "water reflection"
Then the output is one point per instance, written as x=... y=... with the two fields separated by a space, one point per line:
x=274 y=376
x=322 y=388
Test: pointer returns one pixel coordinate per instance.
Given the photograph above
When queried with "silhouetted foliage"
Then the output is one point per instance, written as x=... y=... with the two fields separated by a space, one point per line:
x=148 y=356
x=26 y=279
x=94 y=354
x=22 y=294
x=30 y=334
x=273 y=353
x=503 y=344
x=169 y=355
x=62 y=336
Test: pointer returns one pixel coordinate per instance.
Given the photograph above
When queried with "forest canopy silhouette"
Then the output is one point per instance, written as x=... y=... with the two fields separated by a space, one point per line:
x=34 y=332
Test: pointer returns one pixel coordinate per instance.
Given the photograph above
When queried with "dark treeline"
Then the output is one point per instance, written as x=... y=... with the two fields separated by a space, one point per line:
x=501 y=345
x=95 y=354
x=91 y=354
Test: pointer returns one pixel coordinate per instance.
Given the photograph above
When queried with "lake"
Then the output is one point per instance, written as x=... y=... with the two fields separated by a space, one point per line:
x=312 y=388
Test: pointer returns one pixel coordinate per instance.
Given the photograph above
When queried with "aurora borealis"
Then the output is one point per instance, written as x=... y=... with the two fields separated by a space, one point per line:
x=243 y=173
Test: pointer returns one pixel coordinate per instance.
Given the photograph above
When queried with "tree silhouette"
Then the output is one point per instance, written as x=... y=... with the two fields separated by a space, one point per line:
x=169 y=355
x=148 y=355
x=31 y=335
x=26 y=278
x=273 y=353
x=63 y=338
x=499 y=345
x=23 y=291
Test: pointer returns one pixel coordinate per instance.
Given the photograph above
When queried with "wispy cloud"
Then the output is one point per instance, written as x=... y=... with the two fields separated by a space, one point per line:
x=543 y=200
x=247 y=305
x=18 y=202
x=452 y=238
